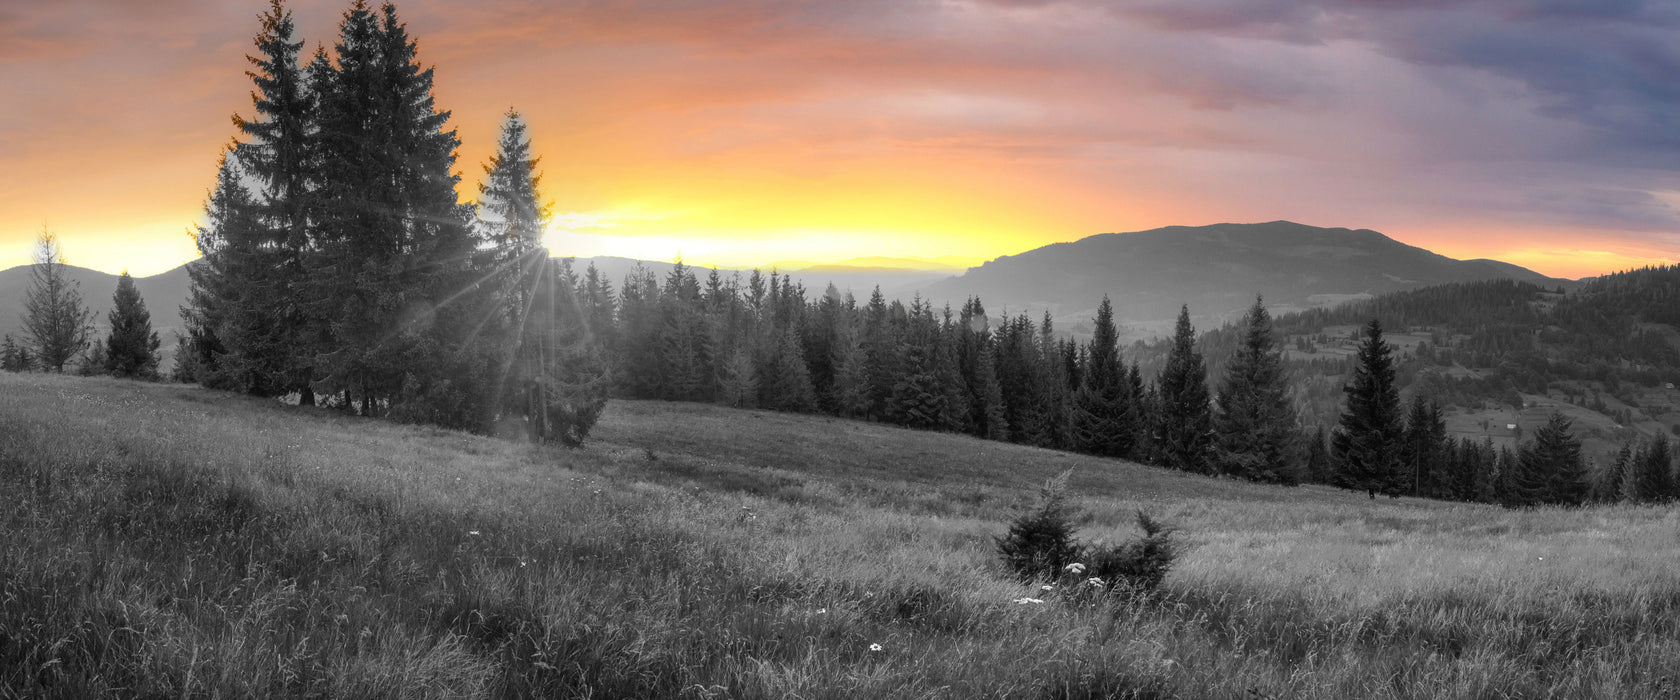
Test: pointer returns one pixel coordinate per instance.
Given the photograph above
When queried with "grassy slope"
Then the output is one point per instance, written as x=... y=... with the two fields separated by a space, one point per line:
x=172 y=541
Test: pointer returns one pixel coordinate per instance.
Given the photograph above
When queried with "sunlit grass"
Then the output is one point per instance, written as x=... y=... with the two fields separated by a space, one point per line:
x=177 y=542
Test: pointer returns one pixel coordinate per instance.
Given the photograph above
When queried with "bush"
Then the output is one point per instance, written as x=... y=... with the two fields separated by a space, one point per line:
x=1040 y=544
x=1139 y=565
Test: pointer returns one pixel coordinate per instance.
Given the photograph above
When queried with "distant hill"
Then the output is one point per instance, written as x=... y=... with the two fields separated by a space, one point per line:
x=164 y=293
x=1215 y=269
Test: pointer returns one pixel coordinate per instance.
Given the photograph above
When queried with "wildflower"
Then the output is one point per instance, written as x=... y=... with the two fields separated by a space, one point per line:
x=472 y=533
x=1075 y=568
x=1028 y=601
x=874 y=647
x=1047 y=587
x=1094 y=581
x=822 y=611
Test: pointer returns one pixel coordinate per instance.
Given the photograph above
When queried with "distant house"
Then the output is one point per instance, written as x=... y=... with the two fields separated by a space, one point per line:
x=1510 y=426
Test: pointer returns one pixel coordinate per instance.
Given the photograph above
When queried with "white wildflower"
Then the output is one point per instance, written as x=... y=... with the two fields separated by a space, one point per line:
x=1075 y=568
x=1047 y=587
x=875 y=647
x=1028 y=601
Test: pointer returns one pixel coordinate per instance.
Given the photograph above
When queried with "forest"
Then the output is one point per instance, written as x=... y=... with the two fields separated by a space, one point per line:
x=340 y=268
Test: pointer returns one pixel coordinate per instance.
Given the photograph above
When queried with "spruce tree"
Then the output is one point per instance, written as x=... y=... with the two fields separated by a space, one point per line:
x=1104 y=421
x=1184 y=431
x=1423 y=446
x=10 y=361
x=214 y=293
x=1549 y=469
x=786 y=385
x=1318 y=458
x=1365 y=447
x=55 y=322
x=268 y=331
x=393 y=252
x=1255 y=423
x=131 y=348
x=1655 y=472
x=1623 y=483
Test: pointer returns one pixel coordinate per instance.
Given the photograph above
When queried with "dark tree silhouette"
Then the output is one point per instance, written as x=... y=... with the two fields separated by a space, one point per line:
x=1365 y=445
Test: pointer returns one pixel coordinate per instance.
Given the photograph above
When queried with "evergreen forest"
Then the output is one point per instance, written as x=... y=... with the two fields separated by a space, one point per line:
x=341 y=268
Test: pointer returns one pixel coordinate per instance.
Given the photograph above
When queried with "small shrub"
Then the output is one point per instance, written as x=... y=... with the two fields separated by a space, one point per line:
x=1139 y=565
x=1040 y=543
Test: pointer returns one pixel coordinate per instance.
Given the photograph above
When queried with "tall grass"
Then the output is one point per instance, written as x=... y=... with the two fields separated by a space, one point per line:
x=170 y=542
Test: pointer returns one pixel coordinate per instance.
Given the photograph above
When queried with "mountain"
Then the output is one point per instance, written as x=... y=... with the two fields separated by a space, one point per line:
x=1215 y=269
x=164 y=293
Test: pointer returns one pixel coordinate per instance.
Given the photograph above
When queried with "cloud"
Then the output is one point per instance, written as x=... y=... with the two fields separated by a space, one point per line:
x=1032 y=120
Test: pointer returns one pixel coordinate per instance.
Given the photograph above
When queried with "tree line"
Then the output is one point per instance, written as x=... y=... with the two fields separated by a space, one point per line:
x=760 y=341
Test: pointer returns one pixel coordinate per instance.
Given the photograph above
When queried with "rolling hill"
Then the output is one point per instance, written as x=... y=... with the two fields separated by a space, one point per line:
x=1215 y=269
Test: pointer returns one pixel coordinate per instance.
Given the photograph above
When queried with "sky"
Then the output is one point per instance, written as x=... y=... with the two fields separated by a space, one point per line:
x=750 y=132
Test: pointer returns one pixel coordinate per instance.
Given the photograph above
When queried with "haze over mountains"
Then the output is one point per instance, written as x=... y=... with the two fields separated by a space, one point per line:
x=1215 y=269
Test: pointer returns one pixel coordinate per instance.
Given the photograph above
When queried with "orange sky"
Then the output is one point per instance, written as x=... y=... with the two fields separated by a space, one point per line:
x=744 y=132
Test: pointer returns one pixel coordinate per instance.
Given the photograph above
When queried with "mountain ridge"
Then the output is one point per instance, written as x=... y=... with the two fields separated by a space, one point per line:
x=1216 y=270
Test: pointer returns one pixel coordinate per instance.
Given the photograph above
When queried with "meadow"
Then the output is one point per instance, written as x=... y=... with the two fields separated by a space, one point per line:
x=168 y=541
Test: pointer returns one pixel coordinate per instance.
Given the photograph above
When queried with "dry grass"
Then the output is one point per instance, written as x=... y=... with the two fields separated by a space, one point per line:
x=168 y=541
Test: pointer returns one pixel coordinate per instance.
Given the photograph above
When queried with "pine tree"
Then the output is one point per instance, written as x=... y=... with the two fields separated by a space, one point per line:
x=1318 y=458
x=56 y=323
x=1103 y=419
x=10 y=360
x=739 y=384
x=1623 y=481
x=1422 y=448
x=231 y=227
x=131 y=349
x=1184 y=433
x=393 y=249
x=266 y=339
x=1549 y=469
x=976 y=353
x=849 y=393
x=568 y=388
x=786 y=385
x=1365 y=446
x=1255 y=423
x=1654 y=467
x=91 y=363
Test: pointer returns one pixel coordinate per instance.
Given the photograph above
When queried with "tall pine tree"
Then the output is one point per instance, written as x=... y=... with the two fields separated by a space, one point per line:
x=1184 y=428
x=1255 y=423
x=1103 y=420
x=1365 y=447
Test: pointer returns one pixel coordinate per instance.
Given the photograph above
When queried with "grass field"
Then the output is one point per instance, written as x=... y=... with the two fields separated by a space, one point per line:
x=166 y=541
